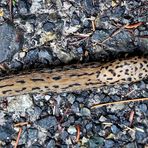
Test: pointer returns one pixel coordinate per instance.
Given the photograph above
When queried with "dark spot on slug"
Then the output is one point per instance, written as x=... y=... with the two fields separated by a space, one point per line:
x=134 y=62
x=72 y=85
x=90 y=83
x=20 y=81
x=98 y=73
x=75 y=84
x=109 y=78
x=24 y=88
x=72 y=75
x=36 y=79
x=145 y=62
x=115 y=82
x=55 y=86
x=6 y=77
x=4 y=92
x=141 y=65
x=35 y=88
x=2 y=86
x=89 y=74
x=118 y=66
x=123 y=79
x=84 y=74
x=129 y=79
x=136 y=68
x=112 y=72
x=140 y=74
x=56 y=78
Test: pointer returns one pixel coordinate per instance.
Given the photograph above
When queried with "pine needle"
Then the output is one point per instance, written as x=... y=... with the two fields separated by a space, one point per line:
x=118 y=102
x=18 y=137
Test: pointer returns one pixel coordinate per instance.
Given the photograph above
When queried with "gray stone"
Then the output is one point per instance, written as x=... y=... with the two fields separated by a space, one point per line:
x=48 y=26
x=109 y=144
x=72 y=130
x=51 y=144
x=114 y=129
x=47 y=122
x=85 y=112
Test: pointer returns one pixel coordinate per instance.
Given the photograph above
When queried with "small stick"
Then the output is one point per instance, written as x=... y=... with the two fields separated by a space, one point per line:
x=118 y=102
x=78 y=133
x=18 y=137
x=11 y=8
x=133 y=26
x=21 y=124
x=93 y=25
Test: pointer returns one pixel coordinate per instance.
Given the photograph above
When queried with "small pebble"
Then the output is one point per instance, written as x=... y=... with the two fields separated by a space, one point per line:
x=72 y=130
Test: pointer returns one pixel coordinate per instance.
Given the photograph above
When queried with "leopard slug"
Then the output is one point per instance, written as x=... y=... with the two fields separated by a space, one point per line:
x=75 y=78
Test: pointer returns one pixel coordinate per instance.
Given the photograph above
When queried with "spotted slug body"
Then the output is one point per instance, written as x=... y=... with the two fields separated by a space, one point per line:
x=76 y=78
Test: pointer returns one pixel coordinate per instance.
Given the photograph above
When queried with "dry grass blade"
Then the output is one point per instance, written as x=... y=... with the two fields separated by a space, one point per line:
x=118 y=102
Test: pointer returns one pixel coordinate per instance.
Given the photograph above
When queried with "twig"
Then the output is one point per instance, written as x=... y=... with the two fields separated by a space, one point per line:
x=21 y=124
x=83 y=35
x=118 y=102
x=133 y=26
x=78 y=133
x=18 y=137
x=10 y=3
x=93 y=25
x=131 y=117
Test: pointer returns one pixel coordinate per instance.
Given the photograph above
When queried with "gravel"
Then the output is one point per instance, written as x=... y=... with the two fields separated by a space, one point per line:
x=50 y=33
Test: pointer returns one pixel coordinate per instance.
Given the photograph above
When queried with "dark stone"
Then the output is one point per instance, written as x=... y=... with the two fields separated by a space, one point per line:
x=95 y=142
x=6 y=132
x=48 y=26
x=109 y=144
x=143 y=107
x=10 y=42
